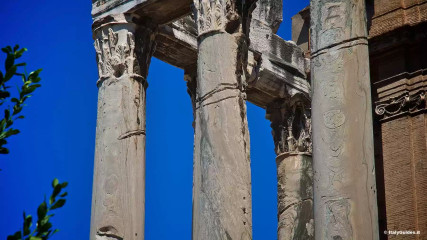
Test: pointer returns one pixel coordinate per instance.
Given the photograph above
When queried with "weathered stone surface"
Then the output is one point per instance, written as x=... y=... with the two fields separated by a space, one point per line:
x=222 y=180
x=277 y=67
x=278 y=72
x=123 y=52
x=158 y=11
x=268 y=13
x=344 y=173
x=177 y=43
x=291 y=129
x=222 y=201
x=295 y=192
x=301 y=29
x=291 y=125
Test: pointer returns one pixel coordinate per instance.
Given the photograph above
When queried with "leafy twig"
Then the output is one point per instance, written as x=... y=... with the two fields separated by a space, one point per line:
x=43 y=229
x=30 y=84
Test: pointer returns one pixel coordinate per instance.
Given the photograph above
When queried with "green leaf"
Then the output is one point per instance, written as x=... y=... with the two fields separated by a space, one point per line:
x=35 y=238
x=10 y=60
x=45 y=220
x=4 y=94
x=43 y=229
x=16 y=109
x=56 y=191
x=42 y=210
x=6 y=114
x=36 y=80
x=4 y=150
x=34 y=74
x=58 y=204
x=64 y=184
x=55 y=231
x=28 y=221
x=9 y=73
x=64 y=194
x=19 y=53
x=16 y=236
x=55 y=182
x=16 y=47
x=28 y=90
x=9 y=133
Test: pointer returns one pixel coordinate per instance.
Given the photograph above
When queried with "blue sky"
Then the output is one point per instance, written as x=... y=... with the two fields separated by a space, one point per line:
x=58 y=134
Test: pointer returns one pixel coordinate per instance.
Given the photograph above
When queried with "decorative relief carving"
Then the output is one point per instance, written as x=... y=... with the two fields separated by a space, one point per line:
x=334 y=21
x=119 y=53
x=291 y=128
x=402 y=104
x=338 y=220
x=114 y=58
x=215 y=15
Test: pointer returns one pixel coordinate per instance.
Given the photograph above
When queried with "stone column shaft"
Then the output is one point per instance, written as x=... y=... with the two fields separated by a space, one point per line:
x=124 y=50
x=222 y=206
x=291 y=125
x=345 y=204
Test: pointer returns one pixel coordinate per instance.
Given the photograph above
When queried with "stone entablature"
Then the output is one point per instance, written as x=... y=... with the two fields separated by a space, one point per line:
x=277 y=67
x=157 y=11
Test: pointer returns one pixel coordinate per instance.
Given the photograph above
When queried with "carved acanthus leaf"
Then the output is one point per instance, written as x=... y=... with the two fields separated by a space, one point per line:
x=291 y=125
x=115 y=58
x=215 y=15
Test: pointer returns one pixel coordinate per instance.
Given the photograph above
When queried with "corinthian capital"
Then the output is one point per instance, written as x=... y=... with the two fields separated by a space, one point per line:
x=123 y=48
x=221 y=15
x=291 y=125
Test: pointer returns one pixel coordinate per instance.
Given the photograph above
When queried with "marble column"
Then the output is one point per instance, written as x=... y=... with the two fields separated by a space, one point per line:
x=345 y=204
x=124 y=49
x=222 y=206
x=291 y=130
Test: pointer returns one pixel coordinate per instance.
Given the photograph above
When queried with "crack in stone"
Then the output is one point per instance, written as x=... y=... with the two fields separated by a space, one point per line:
x=322 y=51
x=220 y=88
x=131 y=133
x=222 y=99
x=295 y=203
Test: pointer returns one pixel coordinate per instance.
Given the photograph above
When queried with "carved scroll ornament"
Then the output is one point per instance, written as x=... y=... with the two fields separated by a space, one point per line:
x=402 y=104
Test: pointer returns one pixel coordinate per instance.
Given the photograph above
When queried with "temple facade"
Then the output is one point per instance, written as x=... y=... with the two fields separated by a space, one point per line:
x=346 y=101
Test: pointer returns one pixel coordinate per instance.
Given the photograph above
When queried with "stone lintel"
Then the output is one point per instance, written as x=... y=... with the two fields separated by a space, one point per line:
x=159 y=11
x=278 y=67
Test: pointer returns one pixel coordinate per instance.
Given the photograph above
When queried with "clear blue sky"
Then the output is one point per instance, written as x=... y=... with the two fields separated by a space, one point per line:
x=58 y=134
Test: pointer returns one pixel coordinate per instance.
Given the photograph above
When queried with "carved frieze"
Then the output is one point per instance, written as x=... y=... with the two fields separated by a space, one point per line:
x=291 y=127
x=405 y=103
x=123 y=52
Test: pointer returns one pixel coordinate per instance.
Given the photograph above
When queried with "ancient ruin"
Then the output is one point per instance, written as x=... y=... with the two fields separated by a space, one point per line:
x=316 y=91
